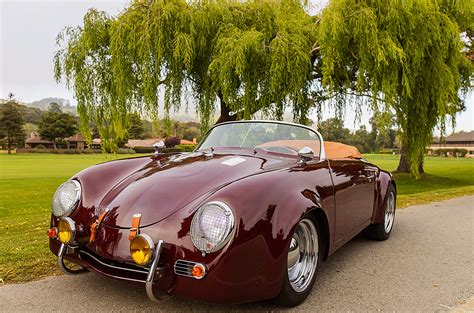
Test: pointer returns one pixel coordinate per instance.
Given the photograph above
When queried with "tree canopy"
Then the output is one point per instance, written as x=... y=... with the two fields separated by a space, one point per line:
x=241 y=56
x=402 y=57
x=11 y=125
x=405 y=56
x=56 y=125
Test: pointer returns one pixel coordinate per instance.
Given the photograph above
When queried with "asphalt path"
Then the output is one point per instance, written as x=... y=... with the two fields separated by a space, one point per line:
x=426 y=265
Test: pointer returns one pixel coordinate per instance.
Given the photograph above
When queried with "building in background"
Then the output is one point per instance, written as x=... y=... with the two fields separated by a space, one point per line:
x=460 y=141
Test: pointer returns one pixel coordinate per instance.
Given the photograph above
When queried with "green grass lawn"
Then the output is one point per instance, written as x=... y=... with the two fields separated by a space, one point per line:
x=28 y=182
x=444 y=178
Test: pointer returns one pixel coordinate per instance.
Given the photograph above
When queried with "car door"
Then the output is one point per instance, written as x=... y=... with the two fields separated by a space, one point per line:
x=354 y=187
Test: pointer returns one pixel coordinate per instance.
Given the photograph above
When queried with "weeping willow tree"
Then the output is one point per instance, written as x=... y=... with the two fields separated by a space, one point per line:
x=240 y=57
x=404 y=56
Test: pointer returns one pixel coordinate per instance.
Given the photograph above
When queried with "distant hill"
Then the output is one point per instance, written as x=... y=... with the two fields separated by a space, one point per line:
x=43 y=104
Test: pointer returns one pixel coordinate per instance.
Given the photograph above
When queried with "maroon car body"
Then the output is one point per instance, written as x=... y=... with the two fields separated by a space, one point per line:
x=269 y=193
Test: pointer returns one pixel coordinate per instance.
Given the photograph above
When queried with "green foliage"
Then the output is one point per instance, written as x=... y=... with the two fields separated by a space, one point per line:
x=190 y=131
x=363 y=140
x=55 y=107
x=250 y=56
x=405 y=55
x=186 y=148
x=448 y=151
x=11 y=126
x=55 y=126
x=135 y=128
x=333 y=129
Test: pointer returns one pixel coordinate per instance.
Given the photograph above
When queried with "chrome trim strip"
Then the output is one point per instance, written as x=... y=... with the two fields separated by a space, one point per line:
x=322 y=151
x=113 y=266
x=63 y=251
x=151 y=276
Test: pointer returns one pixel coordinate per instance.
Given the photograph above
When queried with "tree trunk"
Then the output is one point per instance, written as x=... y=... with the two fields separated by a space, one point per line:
x=9 y=146
x=404 y=166
x=225 y=112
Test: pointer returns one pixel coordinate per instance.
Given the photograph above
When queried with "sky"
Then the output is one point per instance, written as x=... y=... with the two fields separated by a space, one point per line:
x=28 y=30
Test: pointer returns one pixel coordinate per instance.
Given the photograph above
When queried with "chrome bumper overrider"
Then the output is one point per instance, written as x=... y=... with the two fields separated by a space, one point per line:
x=150 y=274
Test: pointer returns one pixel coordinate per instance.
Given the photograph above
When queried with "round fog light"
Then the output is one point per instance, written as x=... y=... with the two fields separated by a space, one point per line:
x=141 y=249
x=66 y=230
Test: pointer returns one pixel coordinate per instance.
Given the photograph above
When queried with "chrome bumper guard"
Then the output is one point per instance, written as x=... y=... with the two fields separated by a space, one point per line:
x=65 y=249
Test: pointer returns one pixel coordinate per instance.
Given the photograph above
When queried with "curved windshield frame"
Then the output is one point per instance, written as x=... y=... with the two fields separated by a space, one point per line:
x=270 y=136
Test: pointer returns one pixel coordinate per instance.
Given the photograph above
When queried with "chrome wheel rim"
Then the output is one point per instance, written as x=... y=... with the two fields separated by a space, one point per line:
x=303 y=255
x=389 y=213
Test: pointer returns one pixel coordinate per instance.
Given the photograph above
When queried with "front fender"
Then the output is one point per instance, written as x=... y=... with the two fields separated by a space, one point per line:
x=267 y=208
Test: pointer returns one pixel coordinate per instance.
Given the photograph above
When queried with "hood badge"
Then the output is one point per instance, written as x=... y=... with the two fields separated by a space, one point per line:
x=134 y=230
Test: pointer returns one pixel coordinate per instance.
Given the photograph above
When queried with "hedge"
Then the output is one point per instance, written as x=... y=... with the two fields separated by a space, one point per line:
x=444 y=152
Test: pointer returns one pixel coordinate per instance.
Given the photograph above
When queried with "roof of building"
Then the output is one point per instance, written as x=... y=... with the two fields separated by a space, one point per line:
x=38 y=139
x=461 y=136
x=75 y=138
x=186 y=142
x=132 y=143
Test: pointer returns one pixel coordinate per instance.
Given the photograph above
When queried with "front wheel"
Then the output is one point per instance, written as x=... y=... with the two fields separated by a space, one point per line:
x=381 y=231
x=304 y=256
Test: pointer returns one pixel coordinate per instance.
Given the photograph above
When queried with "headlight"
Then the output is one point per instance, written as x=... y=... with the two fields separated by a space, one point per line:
x=211 y=226
x=141 y=249
x=66 y=198
x=66 y=230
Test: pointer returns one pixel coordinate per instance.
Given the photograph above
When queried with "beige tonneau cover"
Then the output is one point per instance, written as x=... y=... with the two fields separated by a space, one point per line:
x=337 y=150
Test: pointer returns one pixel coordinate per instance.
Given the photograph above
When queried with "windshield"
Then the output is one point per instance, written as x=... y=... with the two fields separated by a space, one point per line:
x=269 y=136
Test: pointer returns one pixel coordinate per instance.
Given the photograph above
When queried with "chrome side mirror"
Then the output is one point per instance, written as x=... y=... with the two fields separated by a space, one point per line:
x=306 y=154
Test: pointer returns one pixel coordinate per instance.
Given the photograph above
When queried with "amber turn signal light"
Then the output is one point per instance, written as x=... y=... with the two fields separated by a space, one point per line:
x=198 y=271
x=52 y=233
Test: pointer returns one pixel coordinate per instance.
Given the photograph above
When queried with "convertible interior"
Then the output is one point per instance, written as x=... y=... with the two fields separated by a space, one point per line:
x=334 y=150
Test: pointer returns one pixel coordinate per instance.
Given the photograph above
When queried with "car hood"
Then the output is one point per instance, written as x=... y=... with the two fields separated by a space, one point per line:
x=163 y=187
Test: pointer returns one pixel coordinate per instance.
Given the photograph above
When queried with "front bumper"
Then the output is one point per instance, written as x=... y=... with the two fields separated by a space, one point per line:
x=130 y=273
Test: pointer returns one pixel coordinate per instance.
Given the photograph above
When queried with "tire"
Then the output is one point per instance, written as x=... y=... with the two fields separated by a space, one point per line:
x=296 y=287
x=382 y=231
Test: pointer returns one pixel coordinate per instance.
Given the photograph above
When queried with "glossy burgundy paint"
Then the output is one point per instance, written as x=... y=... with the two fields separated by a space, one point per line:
x=268 y=192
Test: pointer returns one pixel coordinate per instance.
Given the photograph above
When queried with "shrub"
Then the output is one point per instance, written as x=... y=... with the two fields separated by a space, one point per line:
x=125 y=151
x=186 y=148
x=41 y=146
x=144 y=149
x=461 y=153
x=171 y=142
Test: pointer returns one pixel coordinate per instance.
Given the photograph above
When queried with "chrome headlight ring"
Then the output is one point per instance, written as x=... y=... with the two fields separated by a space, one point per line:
x=212 y=226
x=66 y=198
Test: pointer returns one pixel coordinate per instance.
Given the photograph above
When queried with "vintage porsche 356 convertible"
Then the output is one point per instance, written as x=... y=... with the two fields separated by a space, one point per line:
x=249 y=215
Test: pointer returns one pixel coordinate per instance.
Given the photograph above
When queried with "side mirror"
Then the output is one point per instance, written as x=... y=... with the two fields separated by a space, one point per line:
x=306 y=154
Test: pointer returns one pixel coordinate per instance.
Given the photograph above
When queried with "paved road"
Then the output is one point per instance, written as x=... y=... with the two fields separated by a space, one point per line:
x=427 y=265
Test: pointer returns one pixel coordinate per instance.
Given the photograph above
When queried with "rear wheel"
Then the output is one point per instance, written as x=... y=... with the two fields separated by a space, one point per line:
x=303 y=260
x=381 y=231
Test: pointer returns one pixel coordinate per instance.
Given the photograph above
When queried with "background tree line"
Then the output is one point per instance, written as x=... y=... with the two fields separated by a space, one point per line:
x=374 y=141
x=18 y=121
